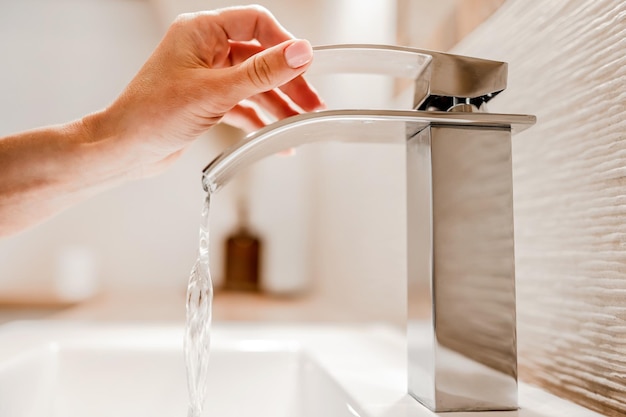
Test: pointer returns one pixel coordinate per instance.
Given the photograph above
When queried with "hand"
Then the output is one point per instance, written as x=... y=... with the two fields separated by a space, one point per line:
x=206 y=68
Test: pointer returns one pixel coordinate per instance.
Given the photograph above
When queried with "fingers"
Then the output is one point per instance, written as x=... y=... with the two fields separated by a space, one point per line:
x=252 y=22
x=303 y=94
x=247 y=119
x=298 y=90
x=261 y=57
x=240 y=51
x=244 y=117
x=274 y=104
x=270 y=106
x=268 y=69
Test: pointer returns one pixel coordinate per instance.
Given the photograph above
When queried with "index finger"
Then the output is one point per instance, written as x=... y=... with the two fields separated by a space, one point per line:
x=246 y=23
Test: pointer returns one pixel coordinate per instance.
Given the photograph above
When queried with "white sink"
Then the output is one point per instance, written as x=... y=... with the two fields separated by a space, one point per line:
x=53 y=369
x=122 y=371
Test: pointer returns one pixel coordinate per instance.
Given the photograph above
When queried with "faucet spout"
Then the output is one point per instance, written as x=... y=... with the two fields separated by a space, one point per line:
x=357 y=126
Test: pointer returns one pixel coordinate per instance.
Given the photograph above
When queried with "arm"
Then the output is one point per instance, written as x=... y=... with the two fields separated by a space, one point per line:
x=207 y=68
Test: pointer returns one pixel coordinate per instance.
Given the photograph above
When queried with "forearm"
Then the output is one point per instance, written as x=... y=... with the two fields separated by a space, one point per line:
x=44 y=171
x=202 y=70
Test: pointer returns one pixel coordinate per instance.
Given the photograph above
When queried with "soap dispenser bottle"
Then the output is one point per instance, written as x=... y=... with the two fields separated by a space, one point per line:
x=243 y=254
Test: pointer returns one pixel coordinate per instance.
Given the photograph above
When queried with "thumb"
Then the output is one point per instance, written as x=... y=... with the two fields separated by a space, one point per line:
x=271 y=68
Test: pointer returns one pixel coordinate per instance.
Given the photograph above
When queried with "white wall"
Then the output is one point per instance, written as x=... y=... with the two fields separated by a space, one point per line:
x=61 y=60
x=70 y=57
x=360 y=212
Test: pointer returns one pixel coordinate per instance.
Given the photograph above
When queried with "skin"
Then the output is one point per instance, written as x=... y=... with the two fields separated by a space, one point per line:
x=208 y=68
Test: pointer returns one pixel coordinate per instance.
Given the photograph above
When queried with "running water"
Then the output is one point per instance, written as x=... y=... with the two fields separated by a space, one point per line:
x=198 y=330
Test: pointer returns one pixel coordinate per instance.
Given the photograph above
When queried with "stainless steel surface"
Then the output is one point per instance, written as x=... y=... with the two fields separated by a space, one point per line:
x=340 y=125
x=438 y=77
x=460 y=249
x=463 y=105
x=459 y=213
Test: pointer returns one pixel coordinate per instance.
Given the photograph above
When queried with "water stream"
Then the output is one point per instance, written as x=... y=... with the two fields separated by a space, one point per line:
x=198 y=328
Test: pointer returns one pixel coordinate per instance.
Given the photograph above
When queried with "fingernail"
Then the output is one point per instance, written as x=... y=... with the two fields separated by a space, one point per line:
x=298 y=53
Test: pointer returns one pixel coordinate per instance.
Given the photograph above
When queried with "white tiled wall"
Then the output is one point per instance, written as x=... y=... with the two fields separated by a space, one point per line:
x=567 y=66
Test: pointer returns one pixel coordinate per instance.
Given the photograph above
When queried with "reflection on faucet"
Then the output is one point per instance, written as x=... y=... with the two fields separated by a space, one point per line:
x=459 y=208
x=460 y=243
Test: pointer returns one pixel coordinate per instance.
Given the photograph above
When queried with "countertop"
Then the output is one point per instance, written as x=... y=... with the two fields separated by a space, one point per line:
x=169 y=306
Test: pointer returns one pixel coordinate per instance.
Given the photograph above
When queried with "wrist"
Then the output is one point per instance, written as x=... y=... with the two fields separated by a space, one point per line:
x=104 y=149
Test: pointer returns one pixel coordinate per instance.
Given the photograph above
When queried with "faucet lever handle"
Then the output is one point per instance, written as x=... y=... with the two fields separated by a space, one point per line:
x=439 y=78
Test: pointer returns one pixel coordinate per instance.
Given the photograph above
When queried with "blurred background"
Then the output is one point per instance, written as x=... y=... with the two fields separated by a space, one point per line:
x=330 y=219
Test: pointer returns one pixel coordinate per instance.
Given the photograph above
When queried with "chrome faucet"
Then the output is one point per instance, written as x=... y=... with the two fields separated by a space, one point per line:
x=459 y=212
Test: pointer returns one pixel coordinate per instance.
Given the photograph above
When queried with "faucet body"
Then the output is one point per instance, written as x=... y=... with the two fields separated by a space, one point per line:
x=463 y=356
x=460 y=246
x=461 y=252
